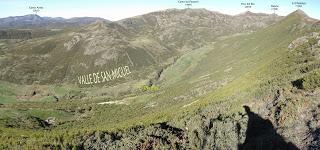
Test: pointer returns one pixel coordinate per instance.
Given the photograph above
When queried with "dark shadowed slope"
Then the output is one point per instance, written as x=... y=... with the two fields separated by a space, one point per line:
x=261 y=135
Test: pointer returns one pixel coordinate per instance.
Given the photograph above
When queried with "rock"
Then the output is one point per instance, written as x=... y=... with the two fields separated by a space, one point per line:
x=56 y=98
x=34 y=93
x=315 y=34
x=298 y=42
x=291 y=46
x=50 y=120
x=74 y=95
x=70 y=44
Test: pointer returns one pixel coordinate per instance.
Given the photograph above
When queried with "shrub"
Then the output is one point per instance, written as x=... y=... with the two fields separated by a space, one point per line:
x=152 y=88
x=312 y=80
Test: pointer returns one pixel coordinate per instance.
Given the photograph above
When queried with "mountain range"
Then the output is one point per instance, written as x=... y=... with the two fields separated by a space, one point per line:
x=195 y=79
x=33 y=21
x=150 y=40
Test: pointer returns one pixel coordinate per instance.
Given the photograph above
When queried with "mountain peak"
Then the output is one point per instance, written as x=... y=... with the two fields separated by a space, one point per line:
x=300 y=13
x=32 y=15
x=28 y=17
x=249 y=13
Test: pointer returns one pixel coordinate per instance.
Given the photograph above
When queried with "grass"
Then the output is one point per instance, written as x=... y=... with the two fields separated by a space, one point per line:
x=233 y=71
x=7 y=94
x=312 y=80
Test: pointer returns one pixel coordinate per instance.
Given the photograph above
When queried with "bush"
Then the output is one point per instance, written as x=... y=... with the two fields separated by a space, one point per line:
x=312 y=80
x=312 y=41
x=152 y=88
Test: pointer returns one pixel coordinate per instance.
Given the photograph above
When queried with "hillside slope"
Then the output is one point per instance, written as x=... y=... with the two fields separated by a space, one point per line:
x=237 y=90
x=146 y=43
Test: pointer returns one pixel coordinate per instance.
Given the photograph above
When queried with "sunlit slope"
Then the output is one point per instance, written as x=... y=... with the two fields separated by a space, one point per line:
x=235 y=64
x=144 y=43
x=237 y=54
x=226 y=72
x=63 y=57
x=230 y=66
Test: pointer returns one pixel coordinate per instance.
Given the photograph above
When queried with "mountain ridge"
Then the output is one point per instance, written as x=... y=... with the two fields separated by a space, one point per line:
x=158 y=37
x=190 y=75
x=33 y=21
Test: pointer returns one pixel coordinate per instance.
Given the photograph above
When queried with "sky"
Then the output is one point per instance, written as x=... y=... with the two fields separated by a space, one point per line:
x=119 y=9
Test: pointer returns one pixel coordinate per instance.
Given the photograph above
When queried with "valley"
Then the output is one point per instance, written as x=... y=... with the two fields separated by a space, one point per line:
x=191 y=79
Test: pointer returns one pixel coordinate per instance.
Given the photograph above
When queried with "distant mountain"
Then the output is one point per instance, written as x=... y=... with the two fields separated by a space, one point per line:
x=193 y=27
x=147 y=41
x=33 y=21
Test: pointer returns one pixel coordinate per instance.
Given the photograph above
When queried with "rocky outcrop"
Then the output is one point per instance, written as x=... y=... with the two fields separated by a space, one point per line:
x=236 y=131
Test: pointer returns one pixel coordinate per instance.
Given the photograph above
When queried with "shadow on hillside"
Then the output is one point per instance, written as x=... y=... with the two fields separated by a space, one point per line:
x=316 y=140
x=261 y=135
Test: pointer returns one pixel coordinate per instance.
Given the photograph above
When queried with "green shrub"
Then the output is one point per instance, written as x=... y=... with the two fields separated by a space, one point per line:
x=312 y=41
x=152 y=88
x=312 y=80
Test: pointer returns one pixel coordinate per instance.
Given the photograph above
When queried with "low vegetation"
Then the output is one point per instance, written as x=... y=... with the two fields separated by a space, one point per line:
x=196 y=103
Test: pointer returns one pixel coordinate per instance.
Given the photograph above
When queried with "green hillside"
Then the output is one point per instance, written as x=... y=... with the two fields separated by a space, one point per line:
x=178 y=96
x=145 y=43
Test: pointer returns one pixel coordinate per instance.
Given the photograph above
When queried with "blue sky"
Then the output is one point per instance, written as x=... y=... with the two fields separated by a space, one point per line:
x=119 y=9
